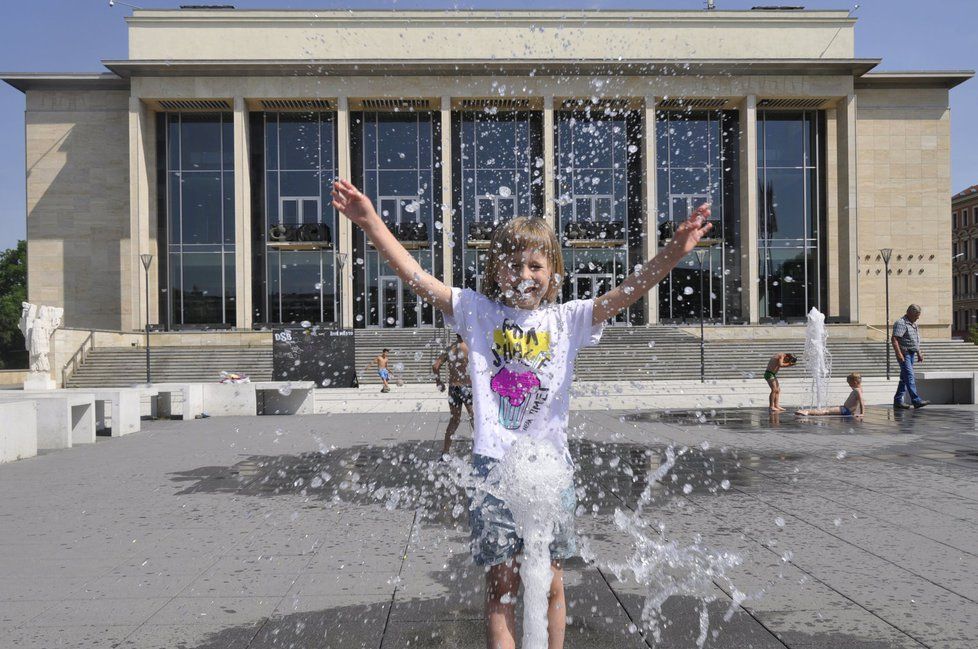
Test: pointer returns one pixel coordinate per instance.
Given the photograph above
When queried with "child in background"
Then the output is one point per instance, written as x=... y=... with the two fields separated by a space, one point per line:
x=771 y=376
x=522 y=346
x=853 y=407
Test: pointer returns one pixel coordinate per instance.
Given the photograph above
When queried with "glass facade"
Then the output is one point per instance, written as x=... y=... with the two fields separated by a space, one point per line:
x=598 y=188
x=396 y=163
x=199 y=225
x=298 y=221
x=497 y=174
x=696 y=162
x=790 y=231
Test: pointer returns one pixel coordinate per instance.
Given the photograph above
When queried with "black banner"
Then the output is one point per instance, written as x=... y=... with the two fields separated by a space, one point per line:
x=326 y=356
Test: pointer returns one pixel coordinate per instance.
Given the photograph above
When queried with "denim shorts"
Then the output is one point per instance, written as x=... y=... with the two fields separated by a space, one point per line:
x=845 y=411
x=494 y=536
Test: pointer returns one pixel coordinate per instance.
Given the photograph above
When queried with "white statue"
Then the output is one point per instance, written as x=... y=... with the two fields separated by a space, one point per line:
x=37 y=323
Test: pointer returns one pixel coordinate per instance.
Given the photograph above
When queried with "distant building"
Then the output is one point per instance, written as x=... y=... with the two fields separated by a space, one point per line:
x=964 y=260
x=213 y=145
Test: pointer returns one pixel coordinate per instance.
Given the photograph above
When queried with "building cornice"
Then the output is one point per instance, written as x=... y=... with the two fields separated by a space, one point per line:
x=147 y=17
x=25 y=81
x=914 y=79
x=541 y=67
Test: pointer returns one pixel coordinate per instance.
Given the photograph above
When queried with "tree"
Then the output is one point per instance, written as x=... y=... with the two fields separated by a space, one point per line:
x=13 y=291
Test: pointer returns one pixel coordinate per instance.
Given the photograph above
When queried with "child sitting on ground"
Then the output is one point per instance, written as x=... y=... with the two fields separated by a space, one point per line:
x=771 y=376
x=853 y=407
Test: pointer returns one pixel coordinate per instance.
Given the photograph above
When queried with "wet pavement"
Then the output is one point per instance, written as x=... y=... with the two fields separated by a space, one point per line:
x=345 y=531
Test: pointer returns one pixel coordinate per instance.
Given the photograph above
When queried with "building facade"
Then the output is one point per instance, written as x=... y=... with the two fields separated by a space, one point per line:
x=214 y=145
x=964 y=259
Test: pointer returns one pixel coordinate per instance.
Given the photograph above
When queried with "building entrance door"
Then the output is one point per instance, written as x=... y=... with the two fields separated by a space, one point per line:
x=591 y=285
x=390 y=301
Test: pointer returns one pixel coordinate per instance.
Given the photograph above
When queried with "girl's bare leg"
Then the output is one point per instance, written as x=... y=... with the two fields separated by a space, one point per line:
x=502 y=582
x=557 y=612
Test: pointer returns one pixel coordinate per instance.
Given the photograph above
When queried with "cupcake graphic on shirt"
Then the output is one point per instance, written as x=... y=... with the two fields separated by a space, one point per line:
x=515 y=386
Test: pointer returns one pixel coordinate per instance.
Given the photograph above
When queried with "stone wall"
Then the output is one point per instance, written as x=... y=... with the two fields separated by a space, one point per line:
x=904 y=198
x=78 y=202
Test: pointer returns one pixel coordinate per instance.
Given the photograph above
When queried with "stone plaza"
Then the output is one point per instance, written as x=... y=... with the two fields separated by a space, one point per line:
x=335 y=531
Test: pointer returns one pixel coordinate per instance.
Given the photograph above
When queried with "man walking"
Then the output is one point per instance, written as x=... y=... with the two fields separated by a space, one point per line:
x=906 y=345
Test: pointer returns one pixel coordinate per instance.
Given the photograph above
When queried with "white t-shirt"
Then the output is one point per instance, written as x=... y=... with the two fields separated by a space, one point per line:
x=521 y=363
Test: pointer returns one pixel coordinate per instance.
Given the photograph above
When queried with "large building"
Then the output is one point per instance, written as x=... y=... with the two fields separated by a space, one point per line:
x=964 y=256
x=213 y=147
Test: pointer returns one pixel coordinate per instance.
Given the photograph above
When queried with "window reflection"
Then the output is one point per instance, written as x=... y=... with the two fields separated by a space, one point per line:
x=199 y=221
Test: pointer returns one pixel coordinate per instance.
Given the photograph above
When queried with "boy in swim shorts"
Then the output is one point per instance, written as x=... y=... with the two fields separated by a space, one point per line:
x=771 y=376
x=382 y=371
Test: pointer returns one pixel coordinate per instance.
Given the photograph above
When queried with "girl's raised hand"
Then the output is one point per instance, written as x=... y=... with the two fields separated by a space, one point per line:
x=690 y=231
x=353 y=203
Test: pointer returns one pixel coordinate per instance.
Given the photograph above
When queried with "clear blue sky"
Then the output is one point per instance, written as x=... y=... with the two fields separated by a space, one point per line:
x=74 y=35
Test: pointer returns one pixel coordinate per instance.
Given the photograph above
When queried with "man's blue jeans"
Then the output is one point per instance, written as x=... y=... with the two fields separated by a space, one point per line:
x=908 y=384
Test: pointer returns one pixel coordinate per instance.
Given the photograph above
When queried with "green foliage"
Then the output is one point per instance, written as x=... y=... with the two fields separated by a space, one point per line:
x=13 y=291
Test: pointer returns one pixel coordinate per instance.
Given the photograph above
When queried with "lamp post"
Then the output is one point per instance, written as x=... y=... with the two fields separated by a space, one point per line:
x=885 y=253
x=701 y=256
x=341 y=263
x=147 y=259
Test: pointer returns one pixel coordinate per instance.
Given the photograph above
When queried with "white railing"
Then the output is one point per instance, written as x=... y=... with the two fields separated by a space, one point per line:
x=77 y=358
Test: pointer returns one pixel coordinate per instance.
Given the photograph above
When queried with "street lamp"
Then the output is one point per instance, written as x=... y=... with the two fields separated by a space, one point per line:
x=885 y=254
x=147 y=259
x=701 y=256
x=341 y=263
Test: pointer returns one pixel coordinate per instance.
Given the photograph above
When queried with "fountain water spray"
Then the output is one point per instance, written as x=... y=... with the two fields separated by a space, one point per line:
x=818 y=360
x=530 y=480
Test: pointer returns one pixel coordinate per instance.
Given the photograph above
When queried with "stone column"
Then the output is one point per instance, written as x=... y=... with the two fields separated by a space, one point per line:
x=142 y=233
x=447 y=207
x=345 y=234
x=651 y=243
x=244 y=313
x=848 y=231
x=749 y=217
x=549 y=161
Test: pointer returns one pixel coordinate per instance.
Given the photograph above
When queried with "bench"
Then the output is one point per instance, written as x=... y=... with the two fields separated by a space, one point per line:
x=229 y=399
x=191 y=396
x=18 y=430
x=948 y=386
x=285 y=397
x=64 y=418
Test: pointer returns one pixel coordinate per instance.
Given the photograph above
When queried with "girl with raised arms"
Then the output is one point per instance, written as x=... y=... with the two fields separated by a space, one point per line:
x=522 y=346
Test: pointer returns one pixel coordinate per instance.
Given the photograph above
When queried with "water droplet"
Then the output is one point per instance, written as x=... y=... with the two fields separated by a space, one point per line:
x=688 y=290
x=779 y=522
x=505 y=191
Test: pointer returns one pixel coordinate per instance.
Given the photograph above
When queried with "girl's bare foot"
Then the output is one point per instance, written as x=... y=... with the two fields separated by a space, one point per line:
x=803 y=413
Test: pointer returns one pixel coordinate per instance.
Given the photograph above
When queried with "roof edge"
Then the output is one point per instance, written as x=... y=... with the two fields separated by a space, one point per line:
x=25 y=81
x=423 y=67
x=914 y=79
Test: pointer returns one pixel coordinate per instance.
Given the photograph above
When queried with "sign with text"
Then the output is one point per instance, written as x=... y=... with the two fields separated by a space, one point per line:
x=326 y=356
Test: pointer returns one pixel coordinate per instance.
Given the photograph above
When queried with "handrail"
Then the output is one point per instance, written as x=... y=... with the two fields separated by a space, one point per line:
x=77 y=358
x=876 y=329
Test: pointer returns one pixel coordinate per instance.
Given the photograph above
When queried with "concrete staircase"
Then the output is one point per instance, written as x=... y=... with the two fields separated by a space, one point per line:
x=121 y=367
x=625 y=354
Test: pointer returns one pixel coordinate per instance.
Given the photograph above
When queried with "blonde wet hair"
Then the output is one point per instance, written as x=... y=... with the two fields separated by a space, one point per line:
x=510 y=240
x=855 y=377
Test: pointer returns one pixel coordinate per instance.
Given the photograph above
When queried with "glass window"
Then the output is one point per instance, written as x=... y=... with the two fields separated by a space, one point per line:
x=964 y=218
x=500 y=175
x=299 y=263
x=790 y=210
x=399 y=175
x=697 y=163
x=200 y=218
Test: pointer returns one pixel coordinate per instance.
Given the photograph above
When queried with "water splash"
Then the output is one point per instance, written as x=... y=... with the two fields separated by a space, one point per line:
x=530 y=480
x=818 y=359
